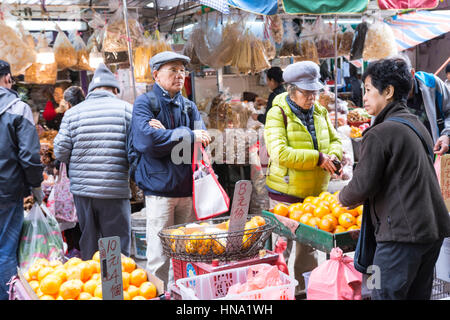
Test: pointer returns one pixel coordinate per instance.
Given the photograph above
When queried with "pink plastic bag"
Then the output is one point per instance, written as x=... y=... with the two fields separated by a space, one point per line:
x=437 y=168
x=280 y=247
x=335 y=279
x=64 y=206
x=258 y=277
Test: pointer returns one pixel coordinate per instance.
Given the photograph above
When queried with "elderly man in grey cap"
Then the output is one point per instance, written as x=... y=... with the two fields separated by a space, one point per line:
x=164 y=127
x=303 y=146
x=92 y=142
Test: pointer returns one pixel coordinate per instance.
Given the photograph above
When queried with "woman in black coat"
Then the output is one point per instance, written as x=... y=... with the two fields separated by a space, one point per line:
x=396 y=181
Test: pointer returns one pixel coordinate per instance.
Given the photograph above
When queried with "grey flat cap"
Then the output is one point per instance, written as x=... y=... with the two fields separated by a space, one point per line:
x=166 y=56
x=303 y=74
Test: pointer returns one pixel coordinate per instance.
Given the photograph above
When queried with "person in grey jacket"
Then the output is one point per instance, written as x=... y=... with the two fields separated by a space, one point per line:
x=92 y=142
x=20 y=170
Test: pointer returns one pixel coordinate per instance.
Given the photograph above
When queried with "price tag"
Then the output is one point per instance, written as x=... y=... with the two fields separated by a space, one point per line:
x=111 y=268
x=239 y=212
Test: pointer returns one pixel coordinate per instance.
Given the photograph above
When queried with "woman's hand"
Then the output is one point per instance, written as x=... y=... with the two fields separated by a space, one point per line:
x=327 y=163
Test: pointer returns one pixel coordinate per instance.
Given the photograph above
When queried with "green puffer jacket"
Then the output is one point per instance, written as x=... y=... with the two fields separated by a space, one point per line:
x=293 y=168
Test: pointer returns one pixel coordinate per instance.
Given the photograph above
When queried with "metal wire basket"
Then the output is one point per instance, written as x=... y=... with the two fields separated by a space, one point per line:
x=223 y=246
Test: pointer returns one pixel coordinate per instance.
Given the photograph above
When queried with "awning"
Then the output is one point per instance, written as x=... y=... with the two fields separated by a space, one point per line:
x=324 y=6
x=411 y=29
x=266 y=7
x=407 y=4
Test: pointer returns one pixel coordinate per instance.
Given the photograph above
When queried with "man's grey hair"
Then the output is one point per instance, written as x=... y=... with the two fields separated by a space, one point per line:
x=404 y=57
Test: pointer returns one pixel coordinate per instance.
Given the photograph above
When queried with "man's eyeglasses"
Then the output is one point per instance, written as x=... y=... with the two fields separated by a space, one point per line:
x=174 y=71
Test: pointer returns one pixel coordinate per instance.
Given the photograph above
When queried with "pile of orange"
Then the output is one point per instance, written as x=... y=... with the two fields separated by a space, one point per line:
x=323 y=212
x=81 y=280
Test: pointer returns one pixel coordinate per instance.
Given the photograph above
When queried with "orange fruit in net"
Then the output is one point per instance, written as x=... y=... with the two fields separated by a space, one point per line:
x=128 y=264
x=346 y=220
x=320 y=211
x=70 y=289
x=218 y=246
x=45 y=271
x=260 y=221
x=326 y=225
x=125 y=280
x=313 y=222
x=339 y=229
x=33 y=271
x=147 y=290
x=133 y=291
x=137 y=277
x=50 y=285
x=34 y=284
x=281 y=209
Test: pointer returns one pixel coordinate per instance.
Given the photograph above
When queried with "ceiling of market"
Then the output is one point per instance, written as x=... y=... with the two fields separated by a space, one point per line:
x=170 y=14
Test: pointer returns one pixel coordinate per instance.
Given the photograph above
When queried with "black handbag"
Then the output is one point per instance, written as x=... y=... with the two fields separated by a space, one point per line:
x=366 y=245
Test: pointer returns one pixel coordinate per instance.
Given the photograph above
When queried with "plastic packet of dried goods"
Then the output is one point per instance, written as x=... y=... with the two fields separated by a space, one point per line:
x=115 y=37
x=98 y=24
x=290 y=46
x=345 y=43
x=82 y=53
x=380 y=42
x=276 y=28
x=189 y=51
x=308 y=45
x=259 y=58
x=42 y=73
x=324 y=39
x=142 y=55
x=14 y=50
x=65 y=54
x=358 y=41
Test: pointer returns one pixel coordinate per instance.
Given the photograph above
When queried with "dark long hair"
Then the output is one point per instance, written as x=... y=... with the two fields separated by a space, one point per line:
x=74 y=95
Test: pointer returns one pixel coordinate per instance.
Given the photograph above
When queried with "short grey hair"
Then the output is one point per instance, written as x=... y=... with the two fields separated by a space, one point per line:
x=403 y=57
x=291 y=89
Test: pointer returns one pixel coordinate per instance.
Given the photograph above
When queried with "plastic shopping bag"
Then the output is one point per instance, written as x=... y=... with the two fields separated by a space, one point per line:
x=335 y=279
x=64 y=204
x=437 y=168
x=209 y=197
x=40 y=238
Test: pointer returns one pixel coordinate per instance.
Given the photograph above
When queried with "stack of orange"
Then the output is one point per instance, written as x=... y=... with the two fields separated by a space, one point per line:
x=323 y=212
x=80 y=280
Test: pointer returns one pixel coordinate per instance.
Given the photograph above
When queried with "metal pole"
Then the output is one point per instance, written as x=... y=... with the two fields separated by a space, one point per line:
x=130 y=49
x=335 y=74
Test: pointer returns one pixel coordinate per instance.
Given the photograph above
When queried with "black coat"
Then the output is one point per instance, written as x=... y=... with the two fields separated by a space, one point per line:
x=397 y=178
x=278 y=90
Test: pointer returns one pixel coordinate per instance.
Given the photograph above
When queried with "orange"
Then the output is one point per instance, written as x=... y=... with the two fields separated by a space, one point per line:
x=74 y=273
x=308 y=208
x=324 y=203
x=26 y=275
x=313 y=222
x=133 y=291
x=42 y=262
x=305 y=217
x=360 y=209
x=60 y=272
x=295 y=206
x=281 y=209
x=353 y=212
x=147 y=290
x=125 y=280
x=50 y=285
x=86 y=271
x=204 y=246
x=331 y=198
x=126 y=295
x=316 y=201
x=128 y=264
x=95 y=298
x=84 y=296
x=72 y=262
x=137 y=277
x=95 y=276
x=98 y=291
x=218 y=246
x=33 y=271
x=339 y=229
x=260 y=221
x=45 y=271
x=39 y=293
x=139 y=298
x=34 y=285
x=324 y=194
x=93 y=265
x=326 y=225
x=320 y=211
x=308 y=199
x=359 y=220
x=332 y=219
x=89 y=286
x=337 y=211
x=96 y=256
x=55 y=263
x=70 y=289
x=295 y=215
x=353 y=227
x=346 y=220
x=46 y=297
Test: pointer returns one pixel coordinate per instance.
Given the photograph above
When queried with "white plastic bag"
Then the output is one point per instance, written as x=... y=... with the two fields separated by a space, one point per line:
x=380 y=42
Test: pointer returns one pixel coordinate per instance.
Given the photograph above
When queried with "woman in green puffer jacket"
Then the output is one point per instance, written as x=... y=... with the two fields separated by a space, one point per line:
x=302 y=144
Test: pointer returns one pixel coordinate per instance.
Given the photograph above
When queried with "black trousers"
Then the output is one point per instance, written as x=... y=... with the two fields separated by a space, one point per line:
x=406 y=270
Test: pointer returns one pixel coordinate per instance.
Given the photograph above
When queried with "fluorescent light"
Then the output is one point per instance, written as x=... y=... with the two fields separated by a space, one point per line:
x=343 y=21
x=185 y=27
x=38 y=25
x=150 y=5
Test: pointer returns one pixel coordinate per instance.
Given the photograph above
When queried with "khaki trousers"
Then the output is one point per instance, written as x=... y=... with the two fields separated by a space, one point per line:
x=304 y=256
x=163 y=212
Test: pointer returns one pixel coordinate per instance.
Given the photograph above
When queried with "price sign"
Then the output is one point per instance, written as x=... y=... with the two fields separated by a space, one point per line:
x=239 y=212
x=111 y=268
x=445 y=179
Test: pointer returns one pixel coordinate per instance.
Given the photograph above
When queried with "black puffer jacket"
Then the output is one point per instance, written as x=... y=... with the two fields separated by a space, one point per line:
x=397 y=178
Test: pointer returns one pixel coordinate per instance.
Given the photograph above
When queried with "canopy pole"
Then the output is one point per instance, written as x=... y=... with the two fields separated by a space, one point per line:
x=335 y=74
x=130 y=49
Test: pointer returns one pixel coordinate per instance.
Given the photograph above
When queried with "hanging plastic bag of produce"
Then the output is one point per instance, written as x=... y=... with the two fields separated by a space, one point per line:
x=65 y=54
x=189 y=51
x=142 y=55
x=98 y=24
x=39 y=72
x=276 y=28
x=380 y=42
x=160 y=44
x=40 y=238
x=291 y=45
x=308 y=45
x=81 y=52
x=269 y=46
x=345 y=41
x=223 y=53
x=358 y=41
x=324 y=39
x=14 y=50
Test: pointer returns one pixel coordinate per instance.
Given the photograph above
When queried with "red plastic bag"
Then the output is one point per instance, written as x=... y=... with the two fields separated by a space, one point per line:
x=335 y=279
